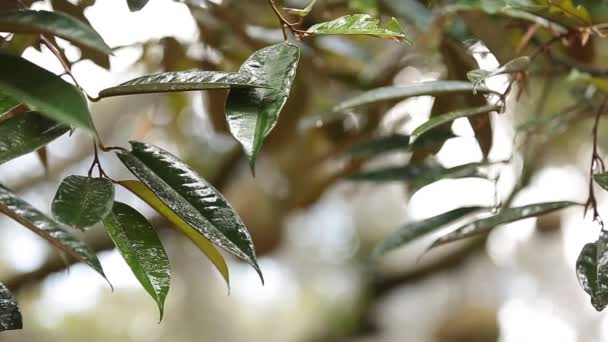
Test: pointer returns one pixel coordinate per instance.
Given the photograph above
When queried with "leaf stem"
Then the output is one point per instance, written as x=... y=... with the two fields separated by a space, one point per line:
x=596 y=163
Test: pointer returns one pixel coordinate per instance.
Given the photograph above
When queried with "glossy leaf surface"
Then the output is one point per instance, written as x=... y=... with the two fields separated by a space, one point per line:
x=359 y=24
x=7 y=103
x=592 y=271
x=10 y=314
x=414 y=230
x=191 y=197
x=145 y=194
x=136 y=5
x=253 y=112
x=184 y=81
x=141 y=248
x=434 y=88
x=44 y=91
x=54 y=23
x=507 y=215
x=52 y=231
x=83 y=201
x=27 y=132
x=449 y=117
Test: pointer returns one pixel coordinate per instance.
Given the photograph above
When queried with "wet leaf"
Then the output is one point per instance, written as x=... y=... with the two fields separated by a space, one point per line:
x=44 y=91
x=253 y=112
x=449 y=117
x=53 y=23
x=592 y=271
x=136 y=5
x=414 y=230
x=380 y=145
x=25 y=133
x=52 y=231
x=10 y=314
x=145 y=194
x=83 y=201
x=507 y=215
x=359 y=24
x=7 y=103
x=191 y=197
x=184 y=81
x=434 y=88
x=141 y=248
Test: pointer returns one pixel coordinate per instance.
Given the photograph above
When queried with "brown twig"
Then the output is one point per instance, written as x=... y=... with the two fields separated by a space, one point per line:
x=596 y=164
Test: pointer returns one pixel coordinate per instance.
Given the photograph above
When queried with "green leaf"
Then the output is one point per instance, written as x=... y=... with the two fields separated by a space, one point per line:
x=359 y=24
x=22 y=212
x=145 y=194
x=141 y=248
x=419 y=175
x=364 y=6
x=253 y=112
x=44 y=91
x=7 y=103
x=10 y=314
x=602 y=180
x=519 y=64
x=184 y=81
x=301 y=12
x=592 y=271
x=434 y=88
x=54 y=23
x=377 y=146
x=27 y=132
x=448 y=117
x=507 y=215
x=191 y=197
x=136 y=5
x=414 y=230
x=83 y=201
x=564 y=12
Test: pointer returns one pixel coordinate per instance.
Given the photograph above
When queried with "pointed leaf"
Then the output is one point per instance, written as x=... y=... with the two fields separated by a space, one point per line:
x=10 y=314
x=359 y=24
x=83 y=201
x=377 y=146
x=414 y=230
x=507 y=215
x=434 y=88
x=519 y=64
x=54 y=23
x=27 y=132
x=145 y=194
x=592 y=271
x=448 y=117
x=184 y=81
x=136 y=5
x=191 y=197
x=253 y=112
x=22 y=212
x=141 y=248
x=44 y=91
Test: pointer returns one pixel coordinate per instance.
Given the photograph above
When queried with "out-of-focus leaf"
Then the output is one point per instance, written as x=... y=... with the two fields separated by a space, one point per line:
x=434 y=88
x=449 y=117
x=7 y=103
x=10 y=314
x=359 y=24
x=301 y=12
x=419 y=175
x=27 y=132
x=414 y=230
x=190 y=197
x=592 y=271
x=54 y=23
x=185 y=81
x=83 y=201
x=253 y=112
x=433 y=139
x=602 y=180
x=141 y=248
x=44 y=91
x=52 y=231
x=600 y=83
x=364 y=6
x=412 y=11
x=145 y=194
x=519 y=64
x=136 y=5
x=376 y=146
x=564 y=12
x=507 y=215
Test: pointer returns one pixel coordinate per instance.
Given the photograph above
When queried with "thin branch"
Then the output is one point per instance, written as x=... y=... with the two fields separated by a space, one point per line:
x=597 y=164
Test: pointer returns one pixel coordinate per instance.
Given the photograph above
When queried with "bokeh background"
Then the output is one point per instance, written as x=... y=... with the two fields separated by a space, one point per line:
x=313 y=230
